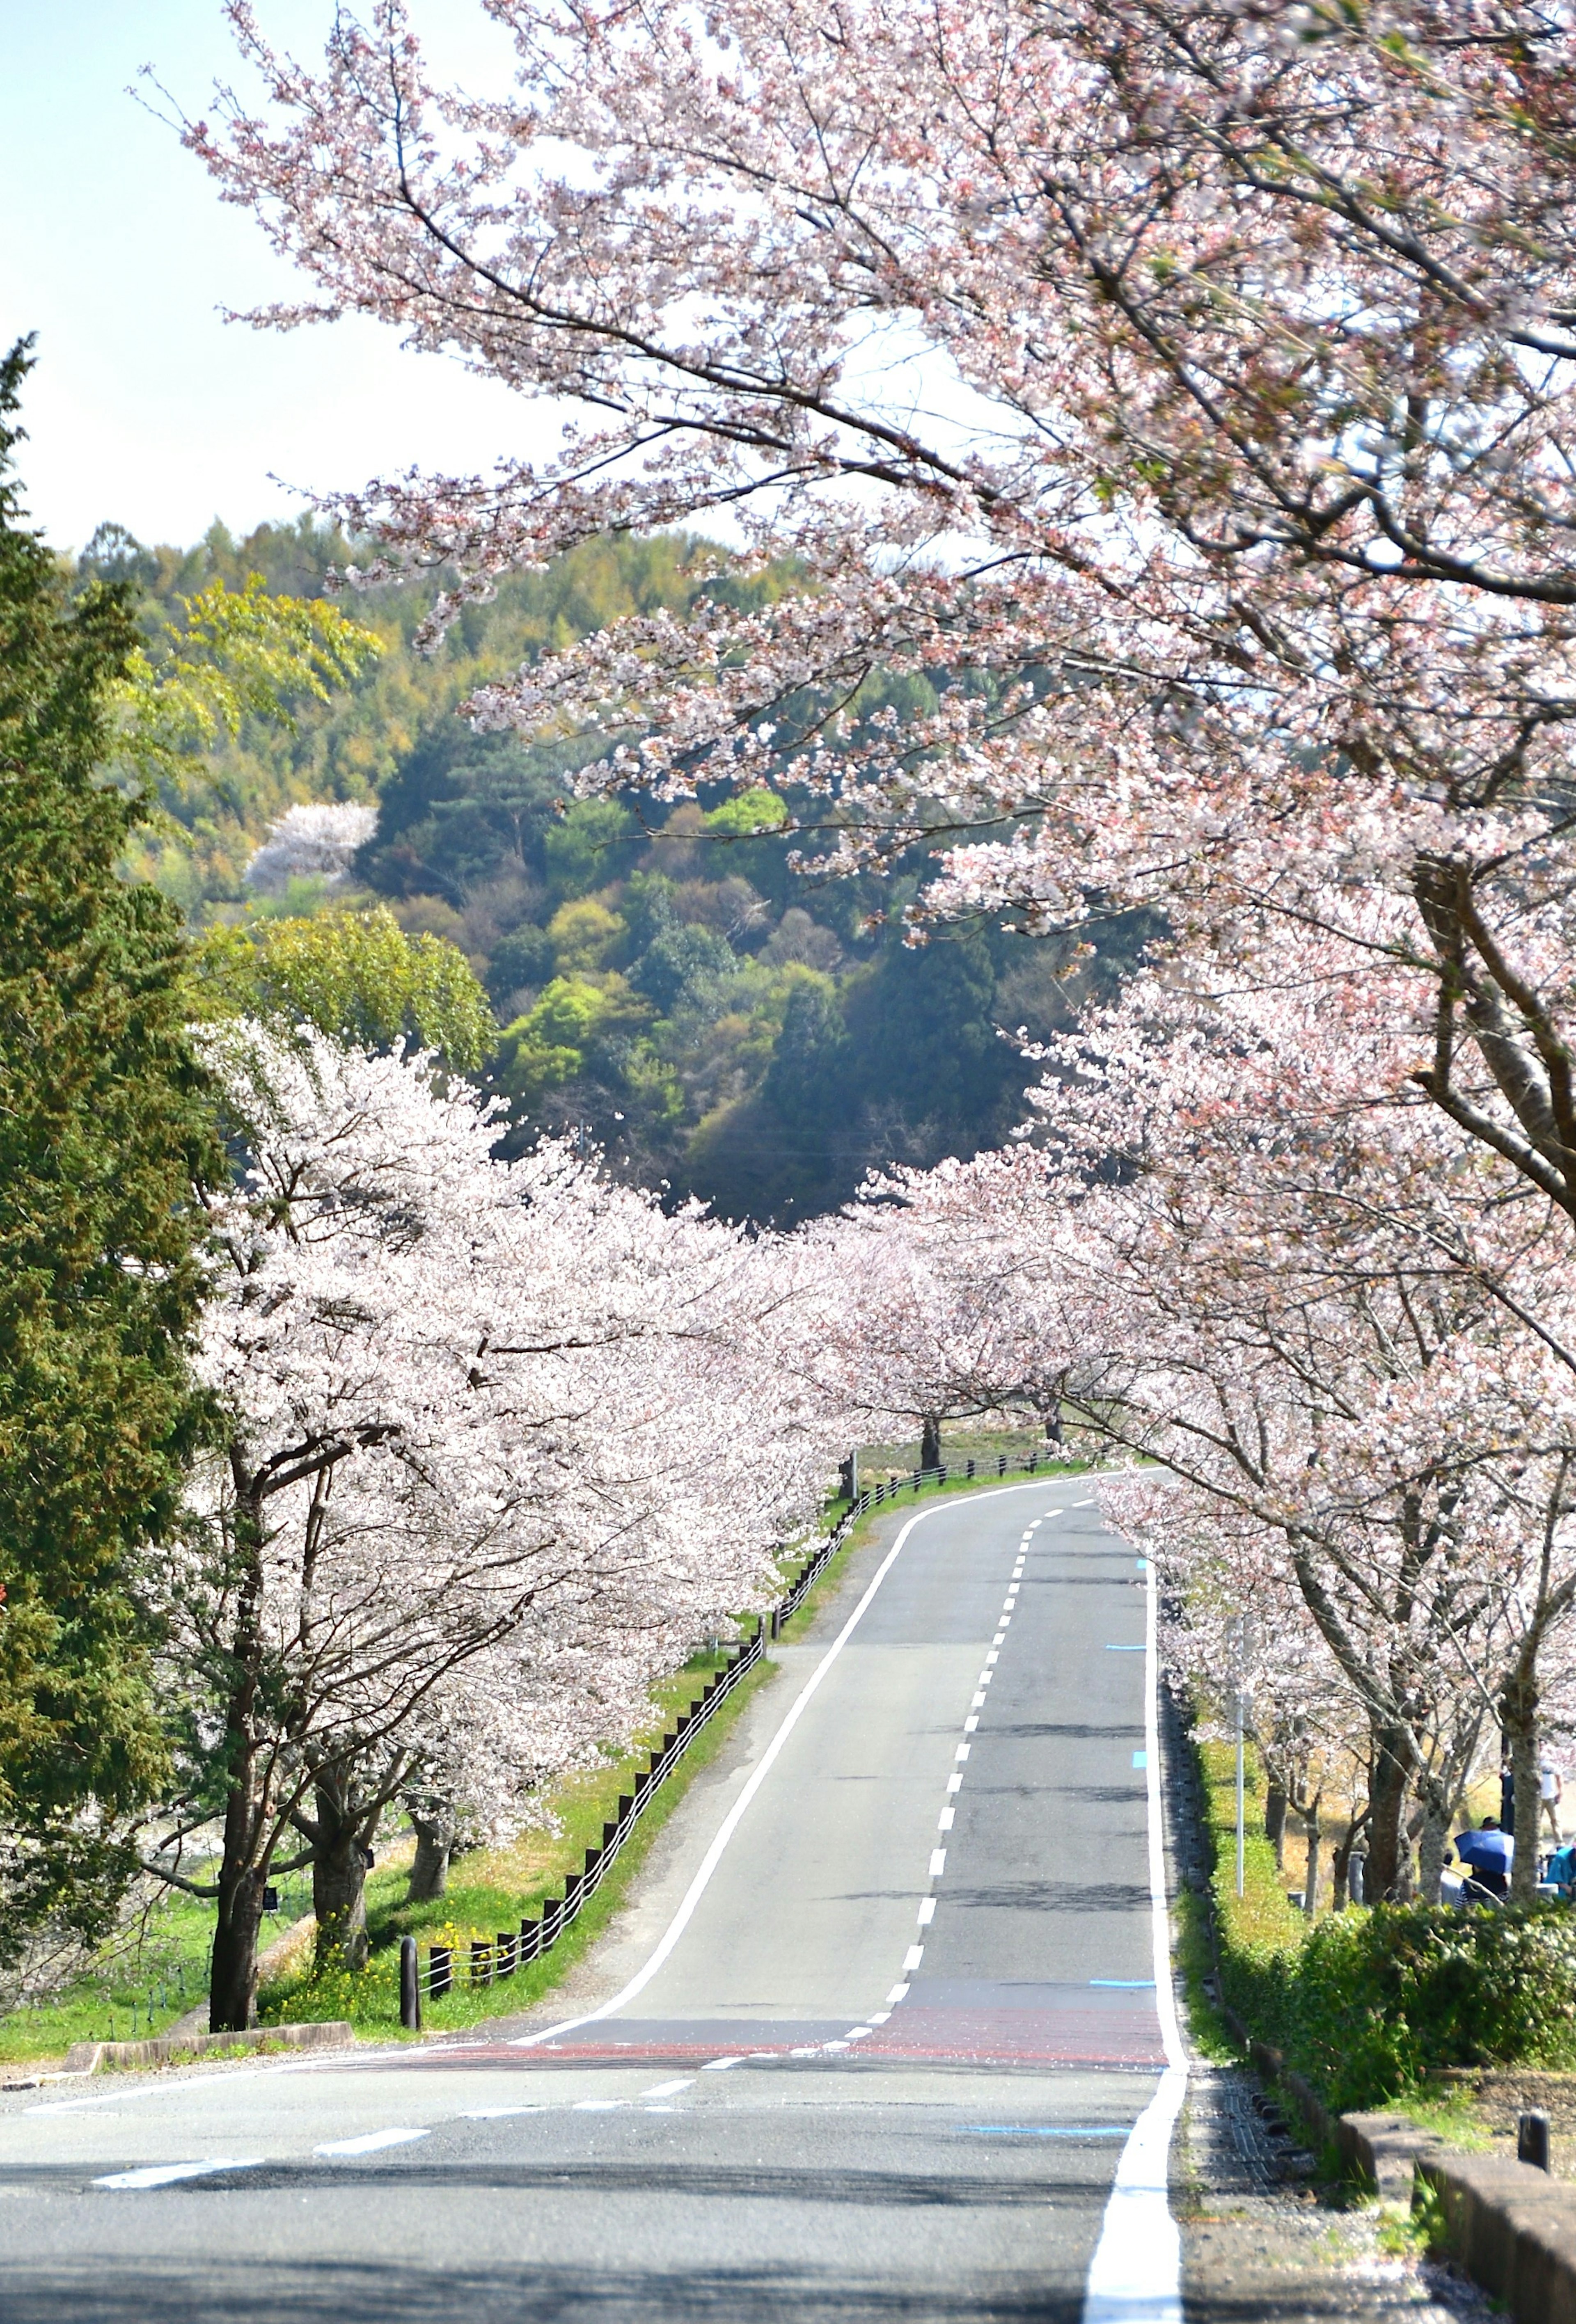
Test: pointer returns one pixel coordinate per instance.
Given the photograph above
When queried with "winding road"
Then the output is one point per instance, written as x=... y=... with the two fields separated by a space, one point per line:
x=879 y=2037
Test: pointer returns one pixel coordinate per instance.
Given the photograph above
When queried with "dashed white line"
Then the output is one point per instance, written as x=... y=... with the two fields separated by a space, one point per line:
x=720 y=2065
x=897 y=1993
x=499 y=2114
x=668 y=2089
x=912 y=1958
x=165 y=2174
x=961 y=1752
x=971 y=1722
x=370 y=2143
x=938 y=1862
x=954 y=1782
x=597 y=2106
x=927 y=1911
x=944 y=1820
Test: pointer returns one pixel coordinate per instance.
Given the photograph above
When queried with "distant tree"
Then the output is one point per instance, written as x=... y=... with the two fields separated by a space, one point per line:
x=356 y=976
x=104 y=1122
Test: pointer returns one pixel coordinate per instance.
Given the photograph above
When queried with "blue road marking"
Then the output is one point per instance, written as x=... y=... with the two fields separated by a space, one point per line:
x=1124 y=1650
x=1141 y=1759
x=1125 y=1984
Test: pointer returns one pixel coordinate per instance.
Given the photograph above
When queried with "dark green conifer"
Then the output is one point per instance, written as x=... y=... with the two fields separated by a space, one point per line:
x=105 y=1120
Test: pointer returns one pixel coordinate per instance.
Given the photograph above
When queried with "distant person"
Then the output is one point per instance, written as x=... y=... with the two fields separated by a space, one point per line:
x=1488 y=1853
x=1561 y=1871
x=1550 y=1792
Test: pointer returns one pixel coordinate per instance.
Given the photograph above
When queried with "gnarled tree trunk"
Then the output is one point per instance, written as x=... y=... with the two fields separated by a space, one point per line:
x=1519 y=1714
x=339 y=1864
x=1274 y=1818
x=435 y=1835
x=1387 y=1868
x=930 y=1442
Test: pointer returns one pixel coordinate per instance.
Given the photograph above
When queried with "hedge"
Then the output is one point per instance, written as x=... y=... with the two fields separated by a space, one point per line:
x=1368 y=2003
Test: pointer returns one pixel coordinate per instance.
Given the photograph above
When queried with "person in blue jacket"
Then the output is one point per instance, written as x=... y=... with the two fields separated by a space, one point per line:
x=1488 y=1854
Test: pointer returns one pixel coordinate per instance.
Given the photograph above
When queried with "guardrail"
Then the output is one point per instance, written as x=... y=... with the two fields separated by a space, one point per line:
x=492 y=1960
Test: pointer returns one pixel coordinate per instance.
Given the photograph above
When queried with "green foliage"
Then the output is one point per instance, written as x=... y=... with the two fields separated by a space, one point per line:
x=234 y=654
x=747 y=815
x=356 y=976
x=761 y=1040
x=1368 y=2003
x=105 y=1122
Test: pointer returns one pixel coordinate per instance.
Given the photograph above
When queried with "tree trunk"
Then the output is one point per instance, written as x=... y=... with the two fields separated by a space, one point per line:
x=931 y=1443
x=1431 y=1851
x=1387 y=1867
x=1274 y=1818
x=434 y=1833
x=232 y=1993
x=1518 y=1714
x=1315 y=1831
x=339 y=1877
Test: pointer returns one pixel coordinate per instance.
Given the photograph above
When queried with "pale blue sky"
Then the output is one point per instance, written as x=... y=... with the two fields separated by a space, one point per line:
x=145 y=407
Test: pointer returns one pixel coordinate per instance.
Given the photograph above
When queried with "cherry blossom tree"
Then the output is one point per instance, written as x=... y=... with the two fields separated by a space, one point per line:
x=1326 y=1320
x=497 y=1442
x=1187 y=388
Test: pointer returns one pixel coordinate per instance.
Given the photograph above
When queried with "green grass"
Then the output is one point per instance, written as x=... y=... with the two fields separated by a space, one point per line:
x=140 y=1988
x=497 y=1888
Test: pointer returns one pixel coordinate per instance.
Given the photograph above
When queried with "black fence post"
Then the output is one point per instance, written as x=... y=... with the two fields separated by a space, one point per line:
x=481 y=1961
x=409 y=1986
x=442 y=1979
x=530 y=1940
x=1532 y=2140
x=505 y=1943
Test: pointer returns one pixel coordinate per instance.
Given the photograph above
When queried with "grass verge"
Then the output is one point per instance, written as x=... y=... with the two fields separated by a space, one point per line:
x=496 y=1888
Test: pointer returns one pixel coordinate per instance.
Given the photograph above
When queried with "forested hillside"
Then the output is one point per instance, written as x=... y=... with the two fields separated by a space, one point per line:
x=665 y=980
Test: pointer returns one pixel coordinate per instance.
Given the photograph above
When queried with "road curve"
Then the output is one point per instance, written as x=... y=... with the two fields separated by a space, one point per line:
x=886 y=2066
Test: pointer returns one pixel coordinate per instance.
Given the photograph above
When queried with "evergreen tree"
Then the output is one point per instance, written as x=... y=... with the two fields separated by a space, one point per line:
x=105 y=1120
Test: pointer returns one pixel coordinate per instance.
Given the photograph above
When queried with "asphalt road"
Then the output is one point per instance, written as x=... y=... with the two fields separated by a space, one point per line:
x=901 y=2024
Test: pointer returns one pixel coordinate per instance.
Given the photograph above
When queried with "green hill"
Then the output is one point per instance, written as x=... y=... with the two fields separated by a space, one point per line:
x=669 y=987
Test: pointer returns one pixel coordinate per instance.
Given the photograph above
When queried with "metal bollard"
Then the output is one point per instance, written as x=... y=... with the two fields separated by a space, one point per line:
x=409 y=1986
x=1532 y=2140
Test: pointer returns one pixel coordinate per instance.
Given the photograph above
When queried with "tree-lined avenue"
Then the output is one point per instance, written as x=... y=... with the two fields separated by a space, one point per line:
x=887 y=2068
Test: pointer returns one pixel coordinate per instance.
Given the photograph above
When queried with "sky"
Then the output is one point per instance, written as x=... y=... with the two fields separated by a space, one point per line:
x=145 y=407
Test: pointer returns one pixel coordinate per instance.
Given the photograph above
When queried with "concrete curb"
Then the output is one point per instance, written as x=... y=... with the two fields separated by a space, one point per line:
x=104 y=2057
x=1512 y=2229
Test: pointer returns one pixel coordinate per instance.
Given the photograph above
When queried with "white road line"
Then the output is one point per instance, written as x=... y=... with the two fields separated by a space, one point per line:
x=971 y=1722
x=912 y=1958
x=372 y=2142
x=927 y=1911
x=731 y=1822
x=597 y=2105
x=954 y=1782
x=1136 y=2274
x=721 y=2065
x=944 y=1820
x=962 y=1751
x=165 y=2174
x=880 y=2016
x=938 y=1862
x=897 y=1993
x=976 y=1703
x=668 y=2089
x=499 y=2114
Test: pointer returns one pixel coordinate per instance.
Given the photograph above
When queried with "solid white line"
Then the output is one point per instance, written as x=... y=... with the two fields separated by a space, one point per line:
x=731 y=1822
x=371 y=2142
x=165 y=2174
x=1136 y=2274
